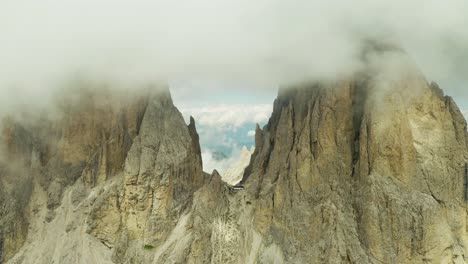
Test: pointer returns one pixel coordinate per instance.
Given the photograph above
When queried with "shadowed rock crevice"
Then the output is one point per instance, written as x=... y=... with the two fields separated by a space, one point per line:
x=359 y=97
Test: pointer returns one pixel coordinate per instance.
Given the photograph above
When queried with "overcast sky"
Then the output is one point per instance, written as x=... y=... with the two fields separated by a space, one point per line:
x=262 y=42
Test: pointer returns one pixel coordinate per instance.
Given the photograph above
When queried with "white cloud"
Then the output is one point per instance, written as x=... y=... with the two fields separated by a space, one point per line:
x=223 y=128
x=210 y=163
x=264 y=43
x=272 y=41
x=229 y=116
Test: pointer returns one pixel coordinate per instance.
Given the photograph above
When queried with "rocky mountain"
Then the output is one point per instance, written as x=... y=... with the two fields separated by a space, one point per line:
x=369 y=168
x=346 y=173
x=233 y=175
x=108 y=171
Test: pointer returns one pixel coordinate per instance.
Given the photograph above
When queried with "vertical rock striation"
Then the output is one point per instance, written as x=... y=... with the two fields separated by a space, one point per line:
x=162 y=171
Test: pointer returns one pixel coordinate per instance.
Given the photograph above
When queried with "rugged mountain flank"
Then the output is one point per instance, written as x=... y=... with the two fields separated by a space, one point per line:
x=364 y=170
x=88 y=140
x=111 y=167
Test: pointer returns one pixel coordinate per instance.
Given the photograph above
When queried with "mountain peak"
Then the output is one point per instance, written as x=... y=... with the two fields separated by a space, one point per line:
x=354 y=150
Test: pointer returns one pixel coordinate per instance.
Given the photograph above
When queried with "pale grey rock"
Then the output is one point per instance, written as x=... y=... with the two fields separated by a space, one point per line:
x=233 y=174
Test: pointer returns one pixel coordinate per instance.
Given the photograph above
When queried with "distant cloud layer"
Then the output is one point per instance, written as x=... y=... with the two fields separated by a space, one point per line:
x=225 y=129
x=229 y=116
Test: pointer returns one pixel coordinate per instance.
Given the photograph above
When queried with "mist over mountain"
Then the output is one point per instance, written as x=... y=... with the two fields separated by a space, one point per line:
x=233 y=132
x=261 y=44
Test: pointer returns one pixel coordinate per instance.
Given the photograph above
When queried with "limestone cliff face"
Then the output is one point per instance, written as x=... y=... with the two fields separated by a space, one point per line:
x=105 y=182
x=162 y=171
x=365 y=170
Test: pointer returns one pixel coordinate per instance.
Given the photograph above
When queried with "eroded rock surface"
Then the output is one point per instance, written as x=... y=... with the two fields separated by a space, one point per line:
x=85 y=142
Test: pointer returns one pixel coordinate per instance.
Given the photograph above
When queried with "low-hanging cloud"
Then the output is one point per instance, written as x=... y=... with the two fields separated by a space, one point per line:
x=264 y=42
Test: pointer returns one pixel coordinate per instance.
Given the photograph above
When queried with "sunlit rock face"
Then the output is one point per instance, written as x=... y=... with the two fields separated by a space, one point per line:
x=369 y=168
x=233 y=174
